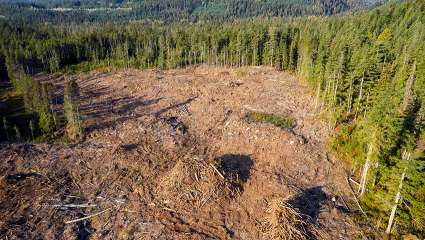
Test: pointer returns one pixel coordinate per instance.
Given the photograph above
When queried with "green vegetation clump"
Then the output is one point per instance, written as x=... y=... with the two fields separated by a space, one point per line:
x=46 y=116
x=277 y=120
x=27 y=106
x=74 y=126
x=13 y=116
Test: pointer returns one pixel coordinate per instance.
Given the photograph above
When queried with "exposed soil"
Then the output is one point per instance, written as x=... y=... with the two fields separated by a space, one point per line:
x=170 y=155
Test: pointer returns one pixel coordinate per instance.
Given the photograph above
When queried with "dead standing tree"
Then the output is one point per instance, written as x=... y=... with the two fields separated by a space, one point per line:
x=371 y=150
x=398 y=198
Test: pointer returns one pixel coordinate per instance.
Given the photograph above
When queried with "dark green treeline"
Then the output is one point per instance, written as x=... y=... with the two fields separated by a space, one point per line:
x=368 y=72
x=76 y=11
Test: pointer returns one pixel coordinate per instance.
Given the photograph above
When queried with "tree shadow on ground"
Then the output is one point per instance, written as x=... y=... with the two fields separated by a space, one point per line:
x=236 y=168
x=174 y=106
x=309 y=201
x=110 y=112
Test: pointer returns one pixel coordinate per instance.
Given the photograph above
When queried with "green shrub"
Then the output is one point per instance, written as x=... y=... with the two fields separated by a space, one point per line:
x=46 y=121
x=281 y=121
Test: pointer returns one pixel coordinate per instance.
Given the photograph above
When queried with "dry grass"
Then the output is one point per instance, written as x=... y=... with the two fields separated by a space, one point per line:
x=283 y=221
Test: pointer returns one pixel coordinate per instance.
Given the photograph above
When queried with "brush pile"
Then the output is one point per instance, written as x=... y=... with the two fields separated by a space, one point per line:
x=284 y=221
x=193 y=182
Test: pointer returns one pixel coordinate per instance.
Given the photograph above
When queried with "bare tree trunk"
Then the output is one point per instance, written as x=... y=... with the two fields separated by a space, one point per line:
x=374 y=175
x=350 y=97
x=272 y=57
x=360 y=95
x=406 y=156
x=408 y=90
x=335 y=89
x=365 y=170
x=328 y=86
x=317 y=95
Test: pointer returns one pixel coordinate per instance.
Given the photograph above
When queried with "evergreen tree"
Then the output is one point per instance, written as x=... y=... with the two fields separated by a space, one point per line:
x=46 y=118
x=74 y=127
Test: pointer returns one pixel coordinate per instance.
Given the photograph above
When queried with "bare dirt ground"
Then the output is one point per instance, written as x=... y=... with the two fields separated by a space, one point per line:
x=170 y=155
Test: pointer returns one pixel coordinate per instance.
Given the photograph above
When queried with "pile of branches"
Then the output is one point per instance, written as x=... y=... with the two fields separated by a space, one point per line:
x=193 y=182
x=284 y=221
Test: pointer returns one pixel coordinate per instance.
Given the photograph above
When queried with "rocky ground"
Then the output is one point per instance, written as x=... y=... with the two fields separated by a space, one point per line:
x=171 y=155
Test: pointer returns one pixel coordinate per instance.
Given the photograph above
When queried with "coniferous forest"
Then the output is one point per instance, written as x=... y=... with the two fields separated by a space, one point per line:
x=366 y=70
x=54 y=11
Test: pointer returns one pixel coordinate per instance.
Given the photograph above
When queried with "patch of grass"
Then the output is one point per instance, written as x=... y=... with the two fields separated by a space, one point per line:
x=277 y=120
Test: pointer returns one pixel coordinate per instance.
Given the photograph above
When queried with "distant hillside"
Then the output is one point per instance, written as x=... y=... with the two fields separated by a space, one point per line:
x=170 y=10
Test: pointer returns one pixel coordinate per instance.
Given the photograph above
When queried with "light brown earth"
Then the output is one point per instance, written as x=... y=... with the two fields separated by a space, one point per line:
x=170 y=155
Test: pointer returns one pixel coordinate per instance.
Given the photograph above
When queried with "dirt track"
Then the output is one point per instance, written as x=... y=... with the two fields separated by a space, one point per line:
x=143 y=127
